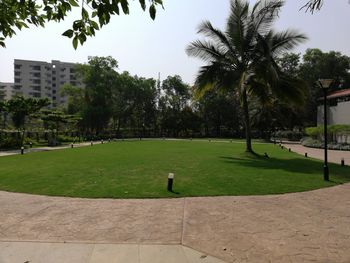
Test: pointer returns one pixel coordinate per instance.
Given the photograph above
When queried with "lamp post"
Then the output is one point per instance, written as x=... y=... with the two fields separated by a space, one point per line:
x=325 y=84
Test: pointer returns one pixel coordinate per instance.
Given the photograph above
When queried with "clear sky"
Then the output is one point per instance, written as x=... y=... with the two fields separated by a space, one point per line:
x=145 y=47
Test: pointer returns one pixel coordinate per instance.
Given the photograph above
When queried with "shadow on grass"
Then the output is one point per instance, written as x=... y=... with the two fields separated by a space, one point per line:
x=296 y=165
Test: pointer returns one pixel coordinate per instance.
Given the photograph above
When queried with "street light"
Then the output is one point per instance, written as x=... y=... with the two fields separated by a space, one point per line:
x=325 y=84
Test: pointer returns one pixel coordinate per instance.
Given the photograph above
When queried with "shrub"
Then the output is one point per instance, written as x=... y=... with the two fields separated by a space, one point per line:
x=290 y=135
x=64 y=138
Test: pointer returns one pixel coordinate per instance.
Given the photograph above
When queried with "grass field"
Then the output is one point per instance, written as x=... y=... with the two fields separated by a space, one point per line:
x=140 y=168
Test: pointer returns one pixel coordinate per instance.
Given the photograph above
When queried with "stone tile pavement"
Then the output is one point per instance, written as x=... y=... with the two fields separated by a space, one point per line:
x=301 y=227
x=34 y=252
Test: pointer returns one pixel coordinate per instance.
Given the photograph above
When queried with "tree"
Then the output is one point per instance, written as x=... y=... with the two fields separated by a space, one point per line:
x=98 y=76
x=218 y=110
x=289 y=63
x=317 y=64
x=75 y=98
x=20 y=108
x=176 y=95
x=243 y=58
x=94 y=15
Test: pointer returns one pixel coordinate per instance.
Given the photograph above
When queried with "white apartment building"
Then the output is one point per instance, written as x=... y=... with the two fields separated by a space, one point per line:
x=40 y=79
x=6 y=90
x=338 y=108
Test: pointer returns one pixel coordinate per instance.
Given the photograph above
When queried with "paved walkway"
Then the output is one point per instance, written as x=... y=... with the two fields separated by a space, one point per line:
x=44 y=149
x=302 y=227
x=30 y=252
x=333 y=156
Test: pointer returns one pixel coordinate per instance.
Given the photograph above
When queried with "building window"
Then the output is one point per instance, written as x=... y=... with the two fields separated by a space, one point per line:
x=17 y=66
x=54 y=91
x=17 y=73
x=54 y=97
x=17 y=80
x=63 y=69
x=17 y=87
x=36 y=88
x=33 y=67
x=35 y=74
x=36 y=81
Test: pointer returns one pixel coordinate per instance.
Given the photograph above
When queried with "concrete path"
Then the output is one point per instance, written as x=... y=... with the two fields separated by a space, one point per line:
x=44 y=149
x=302 y=227
x=333 y=156
x=21 y=252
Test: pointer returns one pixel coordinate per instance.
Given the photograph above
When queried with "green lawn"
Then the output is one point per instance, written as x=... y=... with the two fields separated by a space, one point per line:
x=140 y=168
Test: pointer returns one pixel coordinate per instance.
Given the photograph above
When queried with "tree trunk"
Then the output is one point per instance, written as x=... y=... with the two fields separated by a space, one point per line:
x=248 y=133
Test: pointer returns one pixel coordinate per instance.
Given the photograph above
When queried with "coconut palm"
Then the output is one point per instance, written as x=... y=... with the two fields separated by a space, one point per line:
x=242 y=58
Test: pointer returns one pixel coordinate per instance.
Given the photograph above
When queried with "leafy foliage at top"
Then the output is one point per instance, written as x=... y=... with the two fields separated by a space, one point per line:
x=313 y=5
x=94 y=15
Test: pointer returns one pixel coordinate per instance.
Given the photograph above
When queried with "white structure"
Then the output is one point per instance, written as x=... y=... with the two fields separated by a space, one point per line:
x=338 y=108
x=6 y=90
x=40 y=79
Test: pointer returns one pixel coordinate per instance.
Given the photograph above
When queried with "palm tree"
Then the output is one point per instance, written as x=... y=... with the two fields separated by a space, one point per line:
x=242 y=59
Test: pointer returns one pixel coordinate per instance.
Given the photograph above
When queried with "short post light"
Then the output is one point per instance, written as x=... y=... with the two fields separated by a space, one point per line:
x=31 y=145
x=325 y=84
x=72 y=145
x=170 y=182
x=92 y=144
x=22 y=150
x=342 y=162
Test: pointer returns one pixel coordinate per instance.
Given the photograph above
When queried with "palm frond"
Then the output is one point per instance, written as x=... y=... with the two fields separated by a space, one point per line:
x=206 y=50
x=264 y=14
x=216 y=35
x=286 y=40
x=215 y=76
x=237 y=25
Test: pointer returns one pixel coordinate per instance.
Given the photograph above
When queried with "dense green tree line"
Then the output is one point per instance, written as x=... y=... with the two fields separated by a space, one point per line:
x=117 y=104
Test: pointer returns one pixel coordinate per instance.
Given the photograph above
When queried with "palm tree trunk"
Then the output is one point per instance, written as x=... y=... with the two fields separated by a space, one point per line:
x=248 y=133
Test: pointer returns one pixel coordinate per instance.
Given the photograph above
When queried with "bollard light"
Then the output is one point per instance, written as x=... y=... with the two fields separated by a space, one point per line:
x=22 y=150
x=170 y=182
x=305 y=154
x=342 y=162
x=109 y=140
x=289 y=150
x=72 y=145
x=30 y=144
x=101 y=141
x=91 y=143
